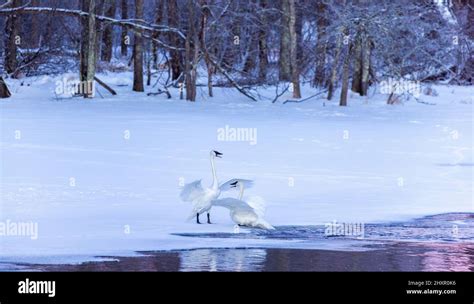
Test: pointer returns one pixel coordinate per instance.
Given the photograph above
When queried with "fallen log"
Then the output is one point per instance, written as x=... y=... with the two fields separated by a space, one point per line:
x=168 y=94
x=105 y=86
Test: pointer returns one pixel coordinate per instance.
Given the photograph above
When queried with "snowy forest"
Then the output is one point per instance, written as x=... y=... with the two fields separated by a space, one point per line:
x=244 y=44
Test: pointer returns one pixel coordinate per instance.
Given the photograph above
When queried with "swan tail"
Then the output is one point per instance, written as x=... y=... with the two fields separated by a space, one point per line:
x=262 y=224
x=190 y=217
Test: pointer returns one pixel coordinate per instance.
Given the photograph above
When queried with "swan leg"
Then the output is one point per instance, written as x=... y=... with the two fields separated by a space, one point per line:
x=209 y=218
x=197 y=219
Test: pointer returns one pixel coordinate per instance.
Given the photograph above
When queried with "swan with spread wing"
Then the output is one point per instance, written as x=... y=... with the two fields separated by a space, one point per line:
x=245 y=213
x=201 y=197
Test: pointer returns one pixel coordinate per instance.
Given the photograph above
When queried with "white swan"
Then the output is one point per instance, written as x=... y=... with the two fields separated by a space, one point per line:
x=245 y=213
x=202 y=198
x=237 y=182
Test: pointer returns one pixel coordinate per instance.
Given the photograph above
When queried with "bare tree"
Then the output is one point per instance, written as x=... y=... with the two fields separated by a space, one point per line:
x=464 y=13
x=88 y=48
x=366 y=62
x=345 y=77
x=12 y=30
x=335 y=64
x=205 y=14
x=285 y=42
x=357 y=72
x=124 y=41
x=295 y=72
x=321 y=45
x=138 y=51
x=159 y=16
x=35 y=36
x=192 y=54
x=262 y=44
x=107 y=48
x=175 y=55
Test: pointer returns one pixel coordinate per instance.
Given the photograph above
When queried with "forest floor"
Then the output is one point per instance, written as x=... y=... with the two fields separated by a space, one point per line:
x=101 y=177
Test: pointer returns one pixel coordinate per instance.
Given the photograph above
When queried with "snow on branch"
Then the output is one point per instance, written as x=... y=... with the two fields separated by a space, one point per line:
x=136 y=25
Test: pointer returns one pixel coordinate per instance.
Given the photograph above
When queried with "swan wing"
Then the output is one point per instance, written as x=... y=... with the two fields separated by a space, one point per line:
x=232 y=204
x=228 y=185
x=192 y=191
x=243 y=213
x=258 y=204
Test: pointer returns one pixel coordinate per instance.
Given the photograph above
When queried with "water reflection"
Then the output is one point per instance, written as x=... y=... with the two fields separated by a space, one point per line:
x=442 y=257
x=387 y=257
x=453 y=227
x=241 y=260
x=434 y=243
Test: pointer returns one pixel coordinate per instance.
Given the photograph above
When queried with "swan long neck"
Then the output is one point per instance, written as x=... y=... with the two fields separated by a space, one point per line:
x=215 y=182
x=241 y=195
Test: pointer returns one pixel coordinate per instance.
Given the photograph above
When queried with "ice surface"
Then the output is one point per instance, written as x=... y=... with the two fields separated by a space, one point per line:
x=102 y=176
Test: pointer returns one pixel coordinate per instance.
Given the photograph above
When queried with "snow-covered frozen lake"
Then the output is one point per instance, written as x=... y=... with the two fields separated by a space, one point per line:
x=434 y=243
x=102 y=177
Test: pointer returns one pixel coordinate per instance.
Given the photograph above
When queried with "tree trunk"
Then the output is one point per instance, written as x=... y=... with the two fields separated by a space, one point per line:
x=464 y=11
x=12 y=29
x=262 y=45
x=299 y=29
x=345 y=77
x=124 y=42
x=335 y=64
x=285 y=43
x=160 y=6
x=295 y=71
x=205 y=13
x=366 y=52
x=149 y=62
x=138 y=52
x=35 y=37
x=107 y=48
x=188 y=66
x=176 y=64
x=250 y=61
x=192 y=53
x=99 y=10
x=357 y=73
x=88 y=49
x=321 y=45
x=4 y=92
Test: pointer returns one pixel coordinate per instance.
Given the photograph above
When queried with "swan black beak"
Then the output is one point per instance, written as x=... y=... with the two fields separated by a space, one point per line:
x=234 y=184
x=218 y=154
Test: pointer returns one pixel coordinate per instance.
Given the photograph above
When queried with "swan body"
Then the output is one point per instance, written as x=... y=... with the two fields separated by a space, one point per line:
x=243 y=214
x=200 y=197
x=202 y=201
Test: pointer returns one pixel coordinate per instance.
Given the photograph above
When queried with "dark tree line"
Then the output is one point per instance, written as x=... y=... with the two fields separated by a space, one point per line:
x=245 y=44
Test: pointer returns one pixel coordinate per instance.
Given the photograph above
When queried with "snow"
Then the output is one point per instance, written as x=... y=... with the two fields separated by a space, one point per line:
x=101 y=177
x=445 y=11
